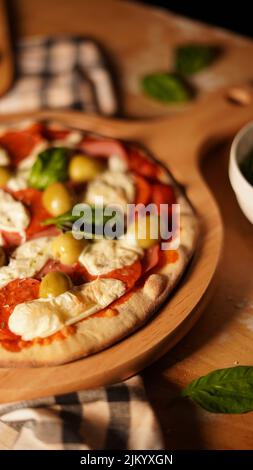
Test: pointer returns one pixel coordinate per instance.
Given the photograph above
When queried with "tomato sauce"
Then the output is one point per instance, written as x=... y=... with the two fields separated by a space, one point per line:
x=14 y=293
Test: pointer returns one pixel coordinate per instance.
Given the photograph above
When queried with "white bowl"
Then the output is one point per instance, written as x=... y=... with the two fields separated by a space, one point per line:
x=241 y=146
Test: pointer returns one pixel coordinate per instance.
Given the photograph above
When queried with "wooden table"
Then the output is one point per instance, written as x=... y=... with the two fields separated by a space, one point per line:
x=140 y=40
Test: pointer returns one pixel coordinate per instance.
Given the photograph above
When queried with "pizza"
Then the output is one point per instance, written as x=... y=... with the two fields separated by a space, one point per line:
x=77 y=273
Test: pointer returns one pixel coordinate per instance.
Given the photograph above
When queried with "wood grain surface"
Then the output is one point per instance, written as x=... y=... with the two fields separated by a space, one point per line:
x=224 y=334
x=6 y=59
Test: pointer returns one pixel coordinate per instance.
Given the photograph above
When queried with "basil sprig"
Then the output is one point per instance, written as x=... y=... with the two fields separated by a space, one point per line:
x=224 y=391
x=93 y=225
x=51 y=166
x=191 y=58
x=63 y=222
x=166 y=87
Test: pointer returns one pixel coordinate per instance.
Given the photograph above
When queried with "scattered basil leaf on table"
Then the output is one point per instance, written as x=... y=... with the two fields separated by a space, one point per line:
x=192 y=58
x=246 y=167
x=223 y=391
x=166 y=87
x=51 y=166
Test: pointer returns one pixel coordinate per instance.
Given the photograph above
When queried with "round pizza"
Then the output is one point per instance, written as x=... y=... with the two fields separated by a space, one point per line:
x=94 y=235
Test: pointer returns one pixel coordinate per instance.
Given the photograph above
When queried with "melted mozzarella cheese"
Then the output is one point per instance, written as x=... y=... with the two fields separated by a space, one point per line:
x=26 y=260
x=43 y=317
x=117 y=164
x=72 y=139
x=4 y=157
x=104 y=256
x=14 y=217
x=114 y=187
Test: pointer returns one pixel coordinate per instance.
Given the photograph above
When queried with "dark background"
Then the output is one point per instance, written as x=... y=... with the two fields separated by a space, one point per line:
x=234 y=15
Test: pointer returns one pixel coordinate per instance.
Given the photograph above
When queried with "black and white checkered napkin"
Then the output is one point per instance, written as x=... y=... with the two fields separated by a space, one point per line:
x=58 y=73
x=115 y=417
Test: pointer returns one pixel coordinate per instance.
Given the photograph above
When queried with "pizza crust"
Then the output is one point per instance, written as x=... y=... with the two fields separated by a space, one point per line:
x=97 y=333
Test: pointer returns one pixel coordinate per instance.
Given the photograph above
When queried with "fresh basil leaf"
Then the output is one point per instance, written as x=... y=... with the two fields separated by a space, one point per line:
x=166 y=87
x=192 y=58
x=51 y=166
x=246 y=167
x=224 y=391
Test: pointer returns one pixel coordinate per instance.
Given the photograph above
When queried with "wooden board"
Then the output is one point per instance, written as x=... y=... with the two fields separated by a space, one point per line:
x=178 y=142
x=6 y=60
x=224 y=334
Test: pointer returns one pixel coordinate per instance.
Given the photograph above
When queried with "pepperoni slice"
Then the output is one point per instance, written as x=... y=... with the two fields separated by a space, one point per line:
x=163 y=194
x=56 y=134
x=102 y=147
x=32 y=198
x=11 y=239
x=19 y=144
x=14 y=293
x=143 y=190
x=139 y=163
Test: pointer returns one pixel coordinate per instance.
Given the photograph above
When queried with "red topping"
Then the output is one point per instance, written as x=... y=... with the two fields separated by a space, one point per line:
x=56 y=134
x=143 y=190
x=139 y=163
x=32 y=198
x=14 y=293
x=77 y=272
x=19 y=144
x=11 y=239
x=163 y=194
x=129 y=274
x=151 y=258
x=102 y=147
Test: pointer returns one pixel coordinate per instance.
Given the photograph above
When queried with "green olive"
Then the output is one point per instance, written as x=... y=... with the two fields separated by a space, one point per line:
x=2 y=257
x=57 y=199
x=83 y=168
x=144 y=230
x=67 y=249
x=54 y=283
x=5 y=175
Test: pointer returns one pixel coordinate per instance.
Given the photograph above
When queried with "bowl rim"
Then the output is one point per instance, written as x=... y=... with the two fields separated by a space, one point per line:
x=234 y=153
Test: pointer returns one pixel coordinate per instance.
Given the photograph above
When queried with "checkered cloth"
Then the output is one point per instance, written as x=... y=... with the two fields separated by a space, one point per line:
x=60 y=73
x=115 y=417
x=53 y=73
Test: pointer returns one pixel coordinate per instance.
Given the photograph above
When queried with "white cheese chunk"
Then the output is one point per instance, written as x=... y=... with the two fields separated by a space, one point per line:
x=4 y=157
x=14 y=216
x=26 y=260
x=114 y=187
x=72 y=139
x=117 y=164
x=43 y=317
x=18 y=181
x=104 y=256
